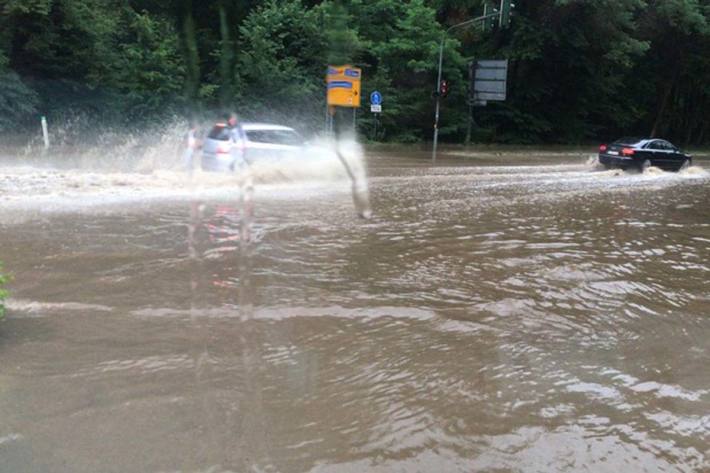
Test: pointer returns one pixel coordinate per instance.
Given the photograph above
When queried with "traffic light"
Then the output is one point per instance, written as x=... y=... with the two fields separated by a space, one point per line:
x=444 y=88
x=489 y=22
x=506 y=9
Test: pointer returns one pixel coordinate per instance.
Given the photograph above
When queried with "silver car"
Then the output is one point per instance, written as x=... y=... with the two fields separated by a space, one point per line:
x=226 y=149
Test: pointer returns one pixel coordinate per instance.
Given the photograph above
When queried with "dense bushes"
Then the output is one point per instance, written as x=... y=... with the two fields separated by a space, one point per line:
x=580 y=69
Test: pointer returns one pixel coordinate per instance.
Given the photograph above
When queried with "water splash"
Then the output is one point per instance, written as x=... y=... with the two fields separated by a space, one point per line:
x=351 y=156
x=593 y=162
x=653 y=171
x=694 y=171
x=112 y=167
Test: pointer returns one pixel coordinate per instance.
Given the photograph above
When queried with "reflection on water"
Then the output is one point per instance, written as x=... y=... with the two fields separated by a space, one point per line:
x=501 y=316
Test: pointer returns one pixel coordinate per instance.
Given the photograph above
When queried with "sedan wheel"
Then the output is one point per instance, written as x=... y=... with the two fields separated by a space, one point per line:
x=686 y=164
x=645 y=165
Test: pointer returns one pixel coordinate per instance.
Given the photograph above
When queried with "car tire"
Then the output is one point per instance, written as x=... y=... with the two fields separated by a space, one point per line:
x=686 y=164
x=645 y=165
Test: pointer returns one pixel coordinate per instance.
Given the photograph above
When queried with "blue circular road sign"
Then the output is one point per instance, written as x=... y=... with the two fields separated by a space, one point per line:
x=376 y=98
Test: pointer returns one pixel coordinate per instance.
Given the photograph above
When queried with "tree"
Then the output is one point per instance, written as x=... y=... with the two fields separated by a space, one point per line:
x=145 y=66
x=17 y=101
x=281 y=62
x=570 y=61
x=188 y=41
x=679 y=33
x=579 y=69
x=400 y=54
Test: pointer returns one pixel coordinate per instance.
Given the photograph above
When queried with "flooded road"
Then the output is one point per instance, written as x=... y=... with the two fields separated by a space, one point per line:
x=496 y=314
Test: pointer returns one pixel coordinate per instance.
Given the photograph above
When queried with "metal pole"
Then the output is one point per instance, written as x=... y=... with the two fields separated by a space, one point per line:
x=438 y=76
x=438 y=99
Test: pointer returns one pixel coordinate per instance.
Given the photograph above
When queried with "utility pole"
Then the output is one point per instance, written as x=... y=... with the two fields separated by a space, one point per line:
x=438 y=76
x=505 y=9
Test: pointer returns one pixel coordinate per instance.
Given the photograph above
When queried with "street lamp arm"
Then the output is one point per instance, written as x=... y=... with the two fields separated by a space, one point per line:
x=468 y=22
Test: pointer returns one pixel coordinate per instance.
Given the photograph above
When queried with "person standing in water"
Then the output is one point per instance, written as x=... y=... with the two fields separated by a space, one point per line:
x=246 y=184
x=236 y=135
x=234 y=126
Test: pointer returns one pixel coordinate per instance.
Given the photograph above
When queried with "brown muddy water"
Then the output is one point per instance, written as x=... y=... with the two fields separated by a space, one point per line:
x=513 y=313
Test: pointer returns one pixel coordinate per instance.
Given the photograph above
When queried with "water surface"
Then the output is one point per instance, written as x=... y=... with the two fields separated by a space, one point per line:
x=499 y=314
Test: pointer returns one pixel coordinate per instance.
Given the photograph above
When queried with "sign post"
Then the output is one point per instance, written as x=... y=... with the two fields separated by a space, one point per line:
x=376 y=107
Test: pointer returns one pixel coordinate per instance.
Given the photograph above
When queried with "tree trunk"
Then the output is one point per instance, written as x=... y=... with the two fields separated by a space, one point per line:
x=690 y=101
x=703 y=130
x=662 y=108
x=671 y=85
x=469 y=125
x=225 y=58
x=192 y=58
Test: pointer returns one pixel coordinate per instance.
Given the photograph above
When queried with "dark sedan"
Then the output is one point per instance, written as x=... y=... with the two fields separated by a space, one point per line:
x=642 y=153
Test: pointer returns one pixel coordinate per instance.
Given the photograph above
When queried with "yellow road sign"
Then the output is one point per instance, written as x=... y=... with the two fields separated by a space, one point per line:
x=344 y=86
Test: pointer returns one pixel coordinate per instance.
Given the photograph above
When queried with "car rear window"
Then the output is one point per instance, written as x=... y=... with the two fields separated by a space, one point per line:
x=278 y=137
x=628 y=140
x=220 y=133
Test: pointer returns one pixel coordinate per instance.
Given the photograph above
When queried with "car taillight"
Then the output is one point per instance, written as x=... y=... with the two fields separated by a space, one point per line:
x=223 y=148
x=602 y=148
x=627 y=152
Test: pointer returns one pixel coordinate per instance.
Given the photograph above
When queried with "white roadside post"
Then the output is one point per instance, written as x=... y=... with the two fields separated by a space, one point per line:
x=45 y=132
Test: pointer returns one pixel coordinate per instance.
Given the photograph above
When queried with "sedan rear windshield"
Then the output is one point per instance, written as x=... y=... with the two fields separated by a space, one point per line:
x=277 y=137
x=628 y=140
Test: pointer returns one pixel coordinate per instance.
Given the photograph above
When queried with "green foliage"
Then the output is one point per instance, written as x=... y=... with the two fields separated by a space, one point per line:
x=570 y=62
x=14 y=7
x=343 y=42
x=17 y=101
x=401 y=46
x=579 y=69
x=145 y=65
x=281 y=59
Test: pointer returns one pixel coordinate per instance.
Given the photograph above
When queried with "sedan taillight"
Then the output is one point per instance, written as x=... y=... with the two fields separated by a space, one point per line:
x=627 y=152
x=602 y=148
